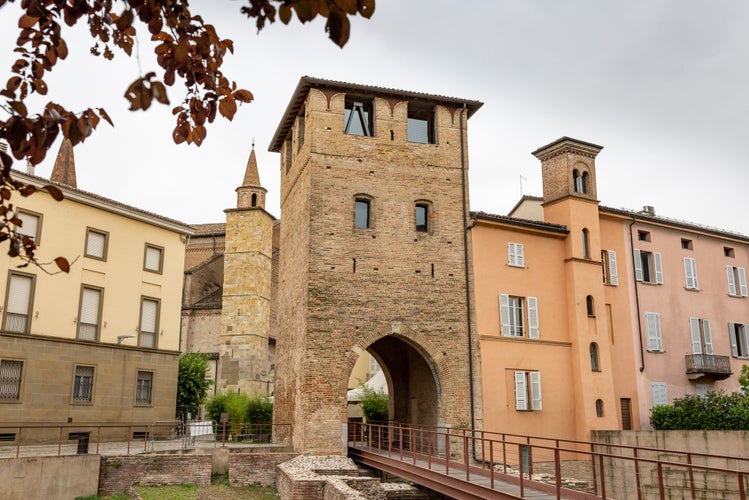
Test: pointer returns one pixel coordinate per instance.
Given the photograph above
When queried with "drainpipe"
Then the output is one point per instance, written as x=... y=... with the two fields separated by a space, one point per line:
x=637 y=296
x=466 y=264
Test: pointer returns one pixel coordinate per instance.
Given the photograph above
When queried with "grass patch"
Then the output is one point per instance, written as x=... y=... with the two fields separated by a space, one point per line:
x=179 y=492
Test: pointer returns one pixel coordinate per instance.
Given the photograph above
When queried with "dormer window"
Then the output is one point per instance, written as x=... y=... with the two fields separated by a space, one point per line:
x=358 y=118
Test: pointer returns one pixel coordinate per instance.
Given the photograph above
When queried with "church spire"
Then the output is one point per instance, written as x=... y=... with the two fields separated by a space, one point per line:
x=64 y=170
x=251 y=194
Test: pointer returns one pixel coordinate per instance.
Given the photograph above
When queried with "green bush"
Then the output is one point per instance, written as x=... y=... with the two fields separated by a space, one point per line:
x=374 y=405
x=260 y=411
x=233 y=403
x=714 y=411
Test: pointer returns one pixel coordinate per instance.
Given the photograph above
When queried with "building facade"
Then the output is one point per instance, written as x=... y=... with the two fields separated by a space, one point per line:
x=99 y=344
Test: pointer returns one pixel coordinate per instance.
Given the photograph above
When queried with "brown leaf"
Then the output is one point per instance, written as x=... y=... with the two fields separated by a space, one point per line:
x=27 y=190
x=227 y=107
x=284 y=13
x=27 y=21
x=40 y=87
x=54 y=192
x=63 y=264
x=338 y=27
x=243 y=95
x=104 y=115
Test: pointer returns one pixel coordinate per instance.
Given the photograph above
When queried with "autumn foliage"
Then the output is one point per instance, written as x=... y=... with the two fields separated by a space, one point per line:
x=188 y=50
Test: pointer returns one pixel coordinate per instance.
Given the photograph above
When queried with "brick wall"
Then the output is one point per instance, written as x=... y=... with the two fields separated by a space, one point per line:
x=255 y=468
x=118 y=473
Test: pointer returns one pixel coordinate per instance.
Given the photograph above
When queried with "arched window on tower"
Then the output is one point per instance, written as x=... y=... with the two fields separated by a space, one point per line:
x=590 y=305
x=595 y=366
x=599 y=407
x=585 y=182
x=577 y=181
x=586 y=244
x=254 y=200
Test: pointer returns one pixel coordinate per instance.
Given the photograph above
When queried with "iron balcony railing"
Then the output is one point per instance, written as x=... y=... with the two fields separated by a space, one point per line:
x=708 y=364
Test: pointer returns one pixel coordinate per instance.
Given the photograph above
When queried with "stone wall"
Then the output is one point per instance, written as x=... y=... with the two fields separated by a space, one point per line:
x=255 y=468
x=49 y=477
x=118 y=473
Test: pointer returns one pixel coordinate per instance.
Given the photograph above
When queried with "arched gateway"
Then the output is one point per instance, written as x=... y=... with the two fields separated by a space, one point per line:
x=374 y=205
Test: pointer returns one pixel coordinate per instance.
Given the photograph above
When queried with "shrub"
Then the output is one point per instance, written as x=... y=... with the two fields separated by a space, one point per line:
x=260 y=411
x=233 y=403
x=714 y=411
x=374 y=404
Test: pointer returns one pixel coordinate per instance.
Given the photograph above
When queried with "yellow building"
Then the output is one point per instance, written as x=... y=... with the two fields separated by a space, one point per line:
x=100 y=343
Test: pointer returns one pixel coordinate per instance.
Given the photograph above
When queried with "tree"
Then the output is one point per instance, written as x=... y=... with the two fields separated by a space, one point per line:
x=192 y=384
x=374 y=404
x=187 y=49
x=744 y=378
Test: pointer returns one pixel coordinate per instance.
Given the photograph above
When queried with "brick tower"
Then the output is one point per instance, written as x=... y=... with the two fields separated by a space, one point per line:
x=374 y=204
x=245 y=356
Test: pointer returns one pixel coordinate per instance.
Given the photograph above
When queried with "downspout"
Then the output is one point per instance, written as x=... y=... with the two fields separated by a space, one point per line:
x=637 y=296
x=466 y=264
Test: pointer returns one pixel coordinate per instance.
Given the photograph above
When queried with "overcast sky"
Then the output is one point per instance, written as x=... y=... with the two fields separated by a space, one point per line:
x=663 y=86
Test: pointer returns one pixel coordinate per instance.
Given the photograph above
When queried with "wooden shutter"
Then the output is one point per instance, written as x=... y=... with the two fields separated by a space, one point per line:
x=638 y=265
x=660 y=395
x=734 y=340
x=532 y=317
x=521 y=392
x=742 y=282
x=690 y=273
x=708 y=336
x=653 y=324
x=694 y=328
x=504 y=314
x=519 y=255
x=613 y=270
x=658 y=267
x=535 y=378
x=731 y=280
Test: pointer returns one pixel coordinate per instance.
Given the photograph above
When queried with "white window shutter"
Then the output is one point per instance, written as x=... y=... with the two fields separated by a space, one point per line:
x=742 y=282
x=519 y=255
x=653 y=326
x=734 y=341
x=613 y=270
x=95 y=243
x=638 y=265
x=660 y=395
x=658 y=267
x=731 y=280
x=694 y=273
x=29 y=224
x=153 y=259
x=511 y=254
x=694 y=329
x=690 y=273
x=708 y=336
x=19 y=293
x=521 y=393
x=535 y=390
x=504 y=314
x=532 y=317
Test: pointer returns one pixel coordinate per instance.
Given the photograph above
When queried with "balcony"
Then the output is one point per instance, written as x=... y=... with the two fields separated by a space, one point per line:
x=707 y=365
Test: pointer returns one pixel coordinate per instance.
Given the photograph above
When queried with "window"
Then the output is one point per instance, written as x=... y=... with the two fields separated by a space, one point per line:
x=625 y=407
x=512 y=316
x=599 y=407
x=149 y=322
x=686 y=244
x=96 y=244
x=660 y=395
x=580 y=181
x=736 y=275
x=300 y=130
x=739 y=340
x=702 y=339
x=83 y=384
x=18 y=302
x=586 y=244
x=89 y=313
x=287 y=155
x=594 y=363
x=527 y=388
x=143 y=388
x=420 y=124
x=10 y=379
x=515 y=254
x=610 y=271
x=31 y=224
x=362 y=219
x=729 y=252
x=358 y=118
x=703 y=389
x=643 y=235
x=590 y=306
x=422 y=217
x=648 y=267
x=653 y=328
x=690 y=273
x=154 y=258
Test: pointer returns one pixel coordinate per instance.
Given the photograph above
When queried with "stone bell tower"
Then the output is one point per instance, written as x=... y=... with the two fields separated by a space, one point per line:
x=374 y=208
x=245 y=362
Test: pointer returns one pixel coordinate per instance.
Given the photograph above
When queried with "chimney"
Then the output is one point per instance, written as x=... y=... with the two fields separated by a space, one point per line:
x=648 y=209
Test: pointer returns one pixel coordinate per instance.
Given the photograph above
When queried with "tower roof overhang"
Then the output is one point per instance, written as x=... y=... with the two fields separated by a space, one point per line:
x=307 y=82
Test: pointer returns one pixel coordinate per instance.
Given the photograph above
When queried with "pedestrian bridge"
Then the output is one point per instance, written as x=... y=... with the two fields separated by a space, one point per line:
x=470 y=464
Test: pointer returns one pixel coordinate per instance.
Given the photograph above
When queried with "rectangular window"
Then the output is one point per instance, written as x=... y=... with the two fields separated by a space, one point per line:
x=89 y=313
x=736 y=281
x=287 y=155
x=739 y=340
x=300 y=130
x=660 y=394
x=653 y=327
x=154 y=258
x=361 y=214
x=512 y=316
x=31 y=224
x=10 y=379
x=149 y=322
x=143 y=388
x=648 y=267
x=690 y=273
x=687 y=244
x=358 y=118
x=729 y=252
x=515 y=256
x=422 y=217
x=625 y=404
x=18 y=302
x=702 y=339
x=610 y=270
x=421 y=124
x=83 y=384
x=643 y=235
x=528 y=390
x=96 y=244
